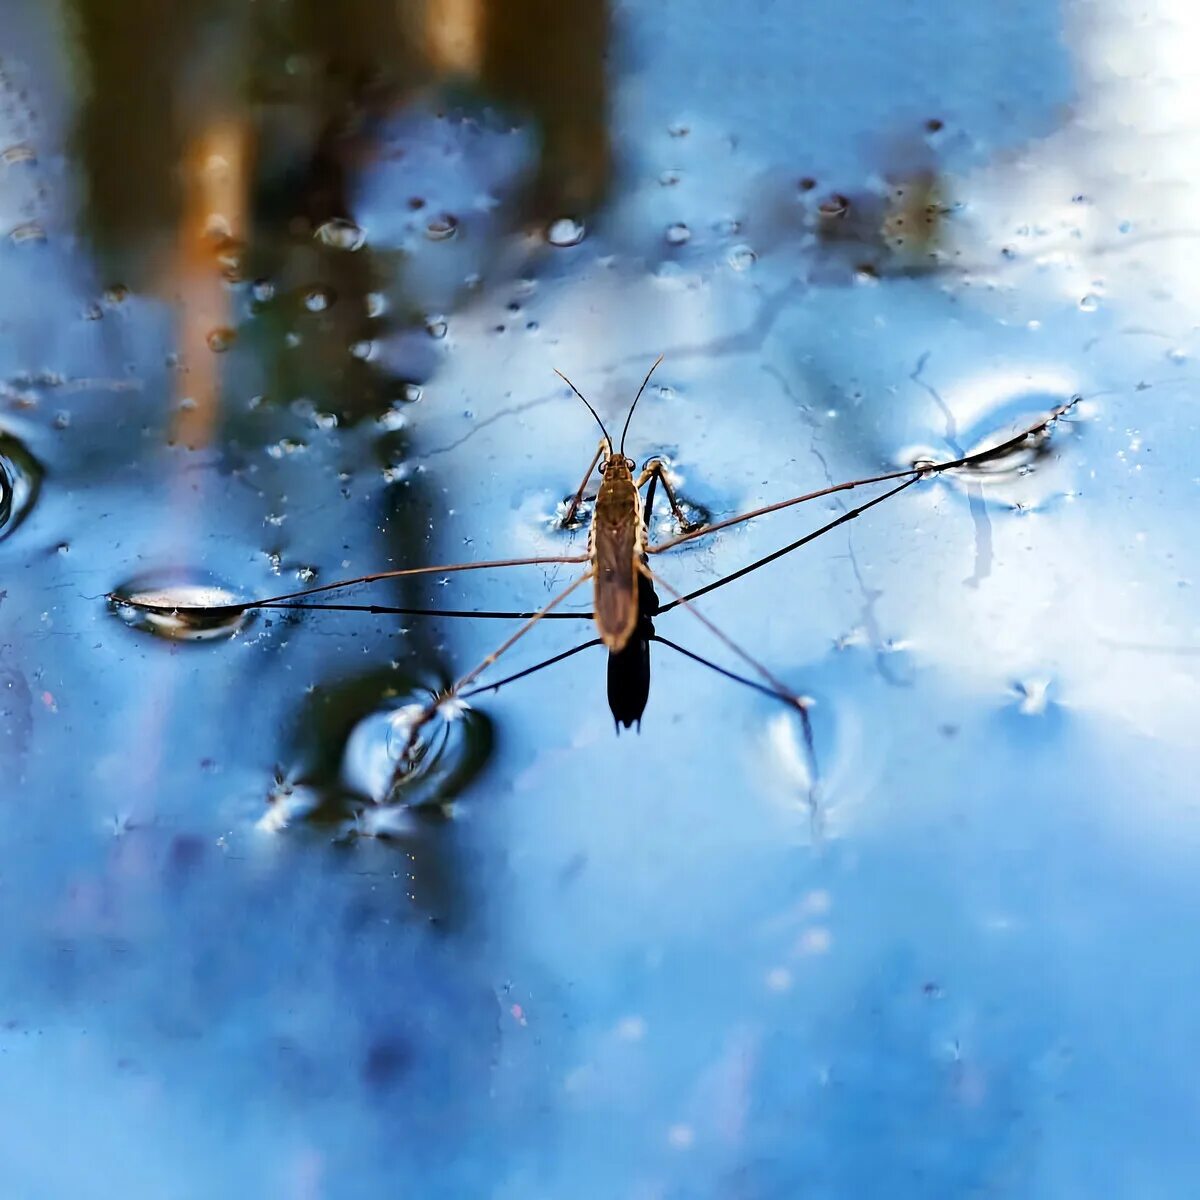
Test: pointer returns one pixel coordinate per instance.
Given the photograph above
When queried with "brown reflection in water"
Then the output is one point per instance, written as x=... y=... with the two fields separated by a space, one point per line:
x=551 y=57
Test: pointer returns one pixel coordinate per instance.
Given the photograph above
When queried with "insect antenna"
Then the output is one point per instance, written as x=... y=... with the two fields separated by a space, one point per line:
x=636 y=398
x=589 y=407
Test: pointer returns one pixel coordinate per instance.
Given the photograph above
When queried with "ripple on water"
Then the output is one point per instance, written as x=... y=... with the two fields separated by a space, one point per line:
x=181 y=605
x=447 y=753
x=1027 y=473
x=20 y=479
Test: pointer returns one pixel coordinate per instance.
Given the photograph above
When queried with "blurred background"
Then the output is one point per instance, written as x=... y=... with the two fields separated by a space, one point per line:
x=283 y=286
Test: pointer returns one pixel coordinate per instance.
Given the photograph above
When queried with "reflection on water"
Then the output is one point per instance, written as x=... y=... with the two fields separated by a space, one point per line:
x=284 y=288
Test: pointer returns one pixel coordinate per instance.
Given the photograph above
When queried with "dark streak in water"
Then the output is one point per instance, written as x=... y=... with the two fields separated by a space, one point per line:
x=978 y=510
x=745 y=341
x=499 y=415
x=870 y=597
x=983 y=536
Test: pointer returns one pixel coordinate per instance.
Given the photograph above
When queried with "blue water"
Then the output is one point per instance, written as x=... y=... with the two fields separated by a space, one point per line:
x=948 y=955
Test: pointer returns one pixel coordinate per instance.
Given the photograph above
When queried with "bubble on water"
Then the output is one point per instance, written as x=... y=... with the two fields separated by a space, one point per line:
x=181 y=605
x=1033 y=696
x=20 y=479
x=678 y=234
x=414 y=753
x=442 y=227
x=318 y=297
x=340 y=233
x=220 y=339
x=566 y=231
x=742 y=258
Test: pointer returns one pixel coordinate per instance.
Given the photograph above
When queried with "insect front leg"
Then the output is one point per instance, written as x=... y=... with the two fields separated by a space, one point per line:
x=572 y=508
x=653 y=473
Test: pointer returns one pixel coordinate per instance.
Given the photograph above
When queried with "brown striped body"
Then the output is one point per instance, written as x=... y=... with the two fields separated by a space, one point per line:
x=616 y=546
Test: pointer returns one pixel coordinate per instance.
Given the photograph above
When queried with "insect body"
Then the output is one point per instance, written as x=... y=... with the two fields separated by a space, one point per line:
x=623 y=585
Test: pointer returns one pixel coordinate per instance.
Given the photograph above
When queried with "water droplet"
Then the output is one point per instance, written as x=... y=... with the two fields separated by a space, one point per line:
x=229 y=254
x=118 y=293
x=376 y=304
x=742 y=258
x=220 y=339
x=411 y=392
x=262 y=290
x=362 y=350
x=678 y=234
x=180 y=605
x=441 y=228
x=834 y=208
x=670 y=178
x=387 y=762
x=284 y=447
x=678 y=130
x=20 y=479
x=436 y=327
x=341 y=234
x=1090 y=302
x=566 y=231
x=318 y=298
x=28 y=231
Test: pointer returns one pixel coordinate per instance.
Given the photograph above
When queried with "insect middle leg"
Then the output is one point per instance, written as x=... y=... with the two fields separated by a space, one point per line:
x=463 y=682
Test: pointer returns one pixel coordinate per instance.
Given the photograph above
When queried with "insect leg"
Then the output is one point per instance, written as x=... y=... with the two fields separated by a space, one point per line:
x=849 y=515
x=549 y=662
x=401 y=572
x=390 y=610
x=653 y=472
x=569 y=515
x=781 y=690
x=775 y=688
x=465 y=681
x=913 y=473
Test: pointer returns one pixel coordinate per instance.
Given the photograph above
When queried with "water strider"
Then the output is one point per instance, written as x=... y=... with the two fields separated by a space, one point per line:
x=625 y=599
